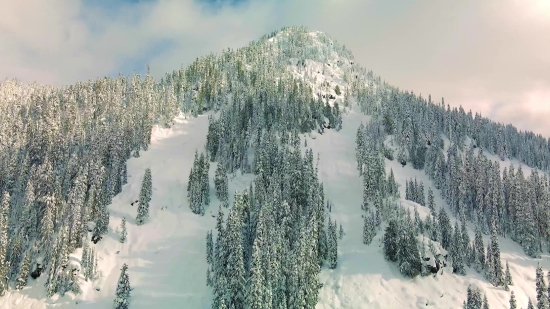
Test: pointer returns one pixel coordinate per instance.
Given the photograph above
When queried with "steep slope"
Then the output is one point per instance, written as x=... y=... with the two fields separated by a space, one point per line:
x=166 y=256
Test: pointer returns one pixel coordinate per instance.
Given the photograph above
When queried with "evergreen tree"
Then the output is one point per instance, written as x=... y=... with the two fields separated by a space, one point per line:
x=24 y=272
x=144 y=198
x=123 y=231
x=479 y=251
x=410 y=263
x=332 y=242
x=431 y=202
x=542 y=293
x=498 y=279
x=341 y=232
x=444 y=228
x=456 y=252
x=4 y=262
x=390 y=241
x=368 y=230
x=221 y=183
x=258 y=291
x=508 y=276
x=474 y=300
x=513 y=303
x=530 y=304
x=209 y=248
x=123 y=289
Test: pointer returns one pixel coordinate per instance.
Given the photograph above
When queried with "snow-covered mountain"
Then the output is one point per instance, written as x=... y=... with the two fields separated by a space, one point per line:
x=275 y=82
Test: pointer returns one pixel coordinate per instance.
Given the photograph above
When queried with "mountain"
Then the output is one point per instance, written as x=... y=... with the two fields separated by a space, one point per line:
x=234 y=177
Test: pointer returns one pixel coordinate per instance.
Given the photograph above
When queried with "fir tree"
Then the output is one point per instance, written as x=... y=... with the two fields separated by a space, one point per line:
x=209 y=248
x=498 y=278
x=530 y=304
x=123 y=289
x=390 y=241
x=431 y=202
x=474 y=300
x=508 y=276
x=332 y=245
x=513 y=303
x=4 y=262
x=24 y=272
x=542 y=293
x=144 y=198
x=221 y=183
x=341 y=232
x=479 y=250
x=123 y=231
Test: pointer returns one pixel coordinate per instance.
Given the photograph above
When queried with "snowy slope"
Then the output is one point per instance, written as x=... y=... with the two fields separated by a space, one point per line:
x=166 y=256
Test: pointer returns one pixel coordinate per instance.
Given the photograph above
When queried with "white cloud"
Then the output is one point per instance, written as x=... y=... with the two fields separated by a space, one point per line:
x=490 y=56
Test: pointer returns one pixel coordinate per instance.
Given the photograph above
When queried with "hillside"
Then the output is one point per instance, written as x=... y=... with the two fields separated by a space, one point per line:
x=244 y=109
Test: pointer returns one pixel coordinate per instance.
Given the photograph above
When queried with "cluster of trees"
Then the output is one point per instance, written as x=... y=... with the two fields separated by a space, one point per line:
x=63 y=157
x=518 y=205
x=415 y=192
x=221 y=184
x=469 y=182
x=542 y=290
x=474 y=299
x=276 y=238
x=270 y=250
x=401 y=246
x=198 y=187
x=88 y=261
x=416 y=122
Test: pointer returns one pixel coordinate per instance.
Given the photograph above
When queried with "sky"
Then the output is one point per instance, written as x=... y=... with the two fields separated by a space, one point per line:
x=490 y=56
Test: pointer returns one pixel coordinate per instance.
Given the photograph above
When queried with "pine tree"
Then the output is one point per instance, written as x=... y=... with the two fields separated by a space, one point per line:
x=530 y=304
x=221 y=183
x=123 y=289
x=258 y=291
x=209 y=248
x=444 y=228
x=474 y=300
x=409 y=257
x=24 y=272
x=456 y=252
x=390 y=241
x=341 y=232
x=508 y=276
x=498 y=279
x=332 y=245
x=431 y=202
x=123 y=231
x=144 y=198
x=542 y=296
x=4 y=262
x=513 y=303
x=479 y=250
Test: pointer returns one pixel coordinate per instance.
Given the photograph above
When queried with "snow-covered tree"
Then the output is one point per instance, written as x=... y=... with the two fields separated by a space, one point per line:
x=144 y=198
x=513 y=302
x=123 y=230
x=122 y=294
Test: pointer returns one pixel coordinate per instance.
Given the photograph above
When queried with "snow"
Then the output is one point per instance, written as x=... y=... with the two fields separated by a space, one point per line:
x=166 y=256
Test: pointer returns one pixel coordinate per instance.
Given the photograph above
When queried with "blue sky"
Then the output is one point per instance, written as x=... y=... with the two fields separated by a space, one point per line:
x=485 y=55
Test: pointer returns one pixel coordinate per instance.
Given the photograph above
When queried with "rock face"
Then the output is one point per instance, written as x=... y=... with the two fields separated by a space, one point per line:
x=434 y=257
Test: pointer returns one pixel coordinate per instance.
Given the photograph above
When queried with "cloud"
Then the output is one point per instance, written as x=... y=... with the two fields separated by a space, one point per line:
x=488 y=56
